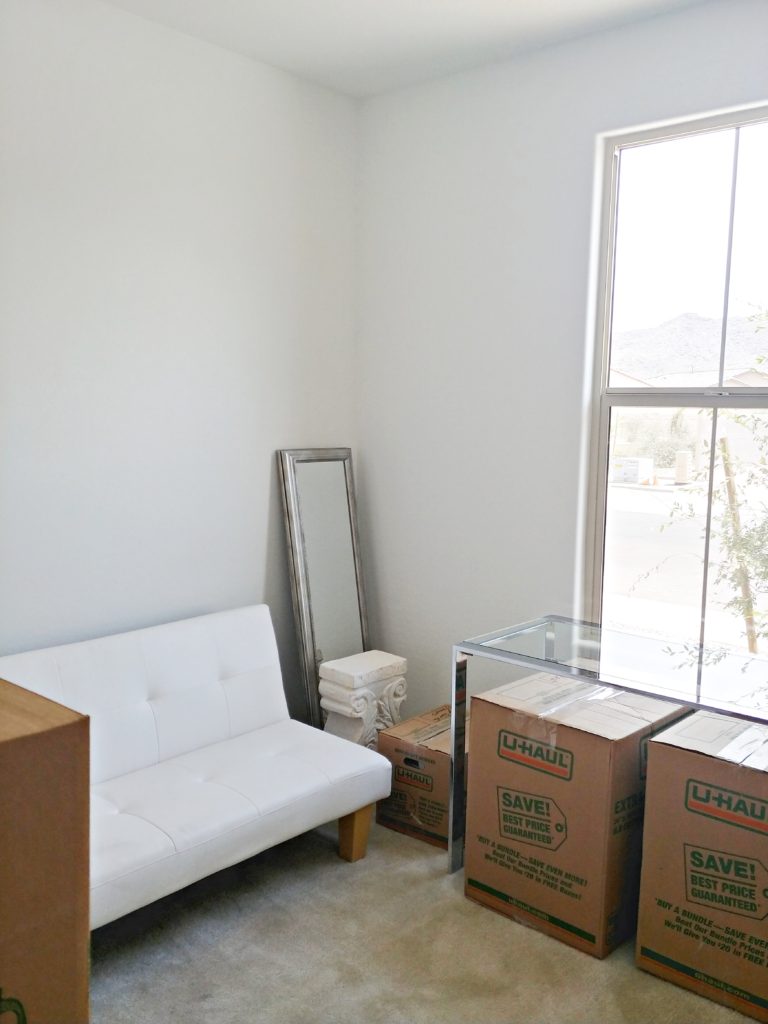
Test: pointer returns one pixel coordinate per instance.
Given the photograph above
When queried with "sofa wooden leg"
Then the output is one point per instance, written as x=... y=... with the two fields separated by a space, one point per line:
x=353 y=833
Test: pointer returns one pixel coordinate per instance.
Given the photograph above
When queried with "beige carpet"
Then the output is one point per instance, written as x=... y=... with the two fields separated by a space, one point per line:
x=297 y=936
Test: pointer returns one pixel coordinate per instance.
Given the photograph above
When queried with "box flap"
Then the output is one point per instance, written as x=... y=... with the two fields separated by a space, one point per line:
x=426 y=729
x=441 y=743
x=730 y=739
x=591 y=707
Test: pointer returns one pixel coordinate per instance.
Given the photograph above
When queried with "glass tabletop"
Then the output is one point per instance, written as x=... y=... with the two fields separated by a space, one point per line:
x=717 y=679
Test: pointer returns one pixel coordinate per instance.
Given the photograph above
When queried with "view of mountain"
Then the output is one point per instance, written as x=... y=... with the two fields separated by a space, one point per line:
x=690 y=344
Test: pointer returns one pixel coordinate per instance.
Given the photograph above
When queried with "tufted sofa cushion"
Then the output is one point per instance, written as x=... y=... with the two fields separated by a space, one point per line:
x=158 y=692
x=195 y=763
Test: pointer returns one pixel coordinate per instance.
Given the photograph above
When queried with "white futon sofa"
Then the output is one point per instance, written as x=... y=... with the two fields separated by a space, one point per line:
x=195 y=764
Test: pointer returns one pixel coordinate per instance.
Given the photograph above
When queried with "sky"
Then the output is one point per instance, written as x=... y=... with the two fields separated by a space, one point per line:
x=673 y=225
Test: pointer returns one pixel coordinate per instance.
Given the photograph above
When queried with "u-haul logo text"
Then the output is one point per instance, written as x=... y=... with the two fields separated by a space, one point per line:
x=727 y=806
x=530 y=753
x=411 y=778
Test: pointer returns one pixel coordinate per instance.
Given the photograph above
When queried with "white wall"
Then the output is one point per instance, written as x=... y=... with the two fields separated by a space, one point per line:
x=176 y=246
x=177 y=290
x=476 y=198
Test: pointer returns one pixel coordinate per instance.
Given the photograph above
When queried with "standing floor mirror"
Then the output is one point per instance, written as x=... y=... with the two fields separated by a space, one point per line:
x=324 y=554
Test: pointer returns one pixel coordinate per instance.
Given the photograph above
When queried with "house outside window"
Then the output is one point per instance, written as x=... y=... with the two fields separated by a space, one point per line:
x=678 y=540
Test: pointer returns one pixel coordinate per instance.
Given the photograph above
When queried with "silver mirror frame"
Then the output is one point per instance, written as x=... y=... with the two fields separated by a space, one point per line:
x=287 y=461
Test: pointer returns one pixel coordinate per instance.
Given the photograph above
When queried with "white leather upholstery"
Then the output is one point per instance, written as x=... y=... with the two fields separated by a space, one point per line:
x=195 y=764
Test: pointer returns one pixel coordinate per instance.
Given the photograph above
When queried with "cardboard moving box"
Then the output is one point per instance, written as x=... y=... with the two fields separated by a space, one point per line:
x=703 y=920
x=420 y=752
x=555 y=806
x=44 y=924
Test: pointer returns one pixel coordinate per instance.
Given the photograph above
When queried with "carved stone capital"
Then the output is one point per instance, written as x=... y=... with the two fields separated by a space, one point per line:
x=388 y=705
x=350 y=713
x=362 y=694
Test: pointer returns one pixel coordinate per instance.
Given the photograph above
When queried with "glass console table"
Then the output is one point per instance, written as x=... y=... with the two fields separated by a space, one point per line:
x=713 y=679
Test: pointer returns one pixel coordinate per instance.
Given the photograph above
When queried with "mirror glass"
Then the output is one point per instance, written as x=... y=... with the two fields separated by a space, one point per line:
x=321 y=525
x=324 y=510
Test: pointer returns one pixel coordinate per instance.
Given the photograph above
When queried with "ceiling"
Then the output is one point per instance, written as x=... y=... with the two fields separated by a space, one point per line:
x=363 y=47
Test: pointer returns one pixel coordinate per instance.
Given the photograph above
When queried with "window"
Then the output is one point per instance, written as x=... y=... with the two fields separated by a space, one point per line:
x=679 y=540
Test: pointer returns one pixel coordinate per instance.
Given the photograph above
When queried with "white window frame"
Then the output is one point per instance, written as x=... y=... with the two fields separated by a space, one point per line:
x=606 y=398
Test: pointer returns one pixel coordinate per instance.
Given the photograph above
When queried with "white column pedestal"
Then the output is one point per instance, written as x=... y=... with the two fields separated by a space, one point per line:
x=362 y=694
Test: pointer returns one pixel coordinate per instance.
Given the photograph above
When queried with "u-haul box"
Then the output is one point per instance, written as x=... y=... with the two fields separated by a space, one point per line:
x=44 y=799
x=703 y=920
x=420 y=752
x=555 y=805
